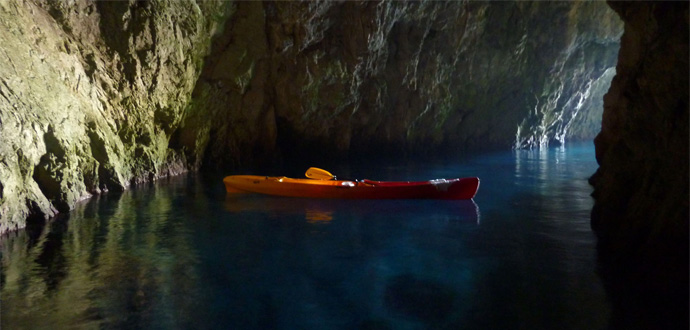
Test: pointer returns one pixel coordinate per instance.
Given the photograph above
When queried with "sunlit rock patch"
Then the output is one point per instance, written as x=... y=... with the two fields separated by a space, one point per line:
x=91 y=94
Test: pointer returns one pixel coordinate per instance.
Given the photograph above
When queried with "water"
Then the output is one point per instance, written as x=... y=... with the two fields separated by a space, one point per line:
x=182 y=254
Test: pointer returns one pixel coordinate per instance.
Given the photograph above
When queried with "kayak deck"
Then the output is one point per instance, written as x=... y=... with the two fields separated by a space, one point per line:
x=461 y=188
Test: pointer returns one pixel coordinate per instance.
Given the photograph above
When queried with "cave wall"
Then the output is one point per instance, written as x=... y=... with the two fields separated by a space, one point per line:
x=641 y=187
x=339 y=78
x=90 y=95
x=98 y=96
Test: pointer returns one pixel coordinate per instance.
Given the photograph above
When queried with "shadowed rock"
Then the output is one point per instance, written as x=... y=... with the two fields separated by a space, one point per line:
x=640 y=214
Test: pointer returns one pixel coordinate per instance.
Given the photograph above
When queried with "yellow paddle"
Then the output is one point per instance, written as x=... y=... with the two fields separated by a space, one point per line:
x=319 y=174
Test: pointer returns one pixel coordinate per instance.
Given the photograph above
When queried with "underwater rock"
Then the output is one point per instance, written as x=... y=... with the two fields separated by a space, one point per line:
x=419 y=299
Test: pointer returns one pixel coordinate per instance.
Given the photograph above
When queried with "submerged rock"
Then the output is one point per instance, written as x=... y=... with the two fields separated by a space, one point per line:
x=418 y=299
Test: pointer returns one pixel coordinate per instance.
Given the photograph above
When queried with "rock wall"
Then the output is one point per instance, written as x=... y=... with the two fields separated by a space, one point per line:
x=90 y=94
x=641 y=187
x=339 y=78
x=100 y=95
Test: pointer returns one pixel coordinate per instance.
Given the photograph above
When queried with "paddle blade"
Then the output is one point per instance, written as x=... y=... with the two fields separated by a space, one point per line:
x=318 y=174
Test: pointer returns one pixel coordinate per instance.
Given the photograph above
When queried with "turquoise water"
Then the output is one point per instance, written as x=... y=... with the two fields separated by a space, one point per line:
x=182 y=254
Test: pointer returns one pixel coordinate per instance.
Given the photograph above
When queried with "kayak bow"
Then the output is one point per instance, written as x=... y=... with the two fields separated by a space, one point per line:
x=461 y=188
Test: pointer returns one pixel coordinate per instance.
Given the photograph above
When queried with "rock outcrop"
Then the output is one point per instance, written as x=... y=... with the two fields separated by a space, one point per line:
x=90 y=95
x=641 y=187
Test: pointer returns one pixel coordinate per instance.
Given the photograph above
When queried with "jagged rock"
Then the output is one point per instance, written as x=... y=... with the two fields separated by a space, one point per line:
x=90 y=94
x=403 y=77
x=641 y=187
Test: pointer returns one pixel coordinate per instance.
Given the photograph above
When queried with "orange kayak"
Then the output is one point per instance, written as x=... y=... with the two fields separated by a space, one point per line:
x=462 y=188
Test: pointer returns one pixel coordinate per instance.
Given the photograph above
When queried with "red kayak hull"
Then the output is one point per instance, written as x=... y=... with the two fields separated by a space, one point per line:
x=461 y=188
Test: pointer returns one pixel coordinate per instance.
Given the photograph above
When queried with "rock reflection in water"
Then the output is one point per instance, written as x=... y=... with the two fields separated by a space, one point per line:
x=185 y=254
x=117 y=264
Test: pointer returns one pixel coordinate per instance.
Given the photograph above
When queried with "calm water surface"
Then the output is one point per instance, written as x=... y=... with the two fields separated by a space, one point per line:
x=183 y=254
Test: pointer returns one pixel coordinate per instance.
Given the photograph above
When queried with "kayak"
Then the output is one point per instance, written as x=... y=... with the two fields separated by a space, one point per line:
x=460 y=188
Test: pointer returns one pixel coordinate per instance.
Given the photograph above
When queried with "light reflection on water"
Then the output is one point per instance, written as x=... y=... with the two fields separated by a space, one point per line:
x=183 y=254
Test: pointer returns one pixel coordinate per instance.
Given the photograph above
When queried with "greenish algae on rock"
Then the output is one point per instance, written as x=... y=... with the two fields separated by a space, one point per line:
x=91 y=94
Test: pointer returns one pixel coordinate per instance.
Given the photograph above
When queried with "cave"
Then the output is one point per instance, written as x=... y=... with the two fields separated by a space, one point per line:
x=105 y=101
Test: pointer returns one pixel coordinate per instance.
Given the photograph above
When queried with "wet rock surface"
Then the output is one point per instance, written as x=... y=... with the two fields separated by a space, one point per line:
x=641 y=187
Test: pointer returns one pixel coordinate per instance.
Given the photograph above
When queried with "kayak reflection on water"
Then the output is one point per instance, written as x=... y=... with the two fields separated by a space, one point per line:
x=325 y=210
x=317 y=216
